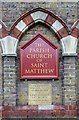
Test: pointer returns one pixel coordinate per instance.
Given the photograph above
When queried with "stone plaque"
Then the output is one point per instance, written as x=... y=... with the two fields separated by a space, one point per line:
x=39 y=94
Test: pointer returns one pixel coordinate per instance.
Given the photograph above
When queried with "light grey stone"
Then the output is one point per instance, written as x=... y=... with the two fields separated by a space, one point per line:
x=69 y=46
x=39 y=15
x=9 y=45
x=56 y=26
x=21 y=26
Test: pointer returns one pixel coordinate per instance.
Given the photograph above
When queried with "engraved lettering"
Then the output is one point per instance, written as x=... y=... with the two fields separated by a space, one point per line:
x=39 y=44
x=39 y=65
x=39 y=50
x=39 y=56
x=39 y=71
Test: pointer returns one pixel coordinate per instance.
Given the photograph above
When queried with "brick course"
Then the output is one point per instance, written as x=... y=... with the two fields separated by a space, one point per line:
x=32 y=111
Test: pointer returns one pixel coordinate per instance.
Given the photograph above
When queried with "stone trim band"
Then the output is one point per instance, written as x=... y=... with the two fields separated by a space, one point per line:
x=10 y=38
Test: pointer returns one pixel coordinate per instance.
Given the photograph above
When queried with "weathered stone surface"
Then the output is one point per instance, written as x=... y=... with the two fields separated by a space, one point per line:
x=69 y=46
x=21 y=26
x=9 y=45
x=37 y=16
x=39 y=94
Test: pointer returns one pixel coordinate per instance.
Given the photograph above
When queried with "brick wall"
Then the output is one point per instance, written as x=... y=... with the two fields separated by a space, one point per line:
x=57 y=85
x=64 y=91
x=9 y=81
x=66 y=10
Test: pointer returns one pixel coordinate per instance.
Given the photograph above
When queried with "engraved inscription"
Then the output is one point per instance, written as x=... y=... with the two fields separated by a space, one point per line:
x=40 y=94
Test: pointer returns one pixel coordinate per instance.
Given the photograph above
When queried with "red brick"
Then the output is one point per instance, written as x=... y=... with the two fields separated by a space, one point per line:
x=28 y=19
x=50 y=20
x=15 y=32
x=6 y=114
x=32 y=113
x=18 y=108
x=48 y=25
x=4 y=32
x=75 y=32
x=71 y=113
x=58 y=113
x=74 y=112
x=32 y=107
x=59 y=108
x=62 y=32
x=0 y=114
x=8 y=108
x=66 y=113
x=72 y=107
x=22 y=114
x=29 y=25
x=53 y=113
x=66 y=107
x=45 y=113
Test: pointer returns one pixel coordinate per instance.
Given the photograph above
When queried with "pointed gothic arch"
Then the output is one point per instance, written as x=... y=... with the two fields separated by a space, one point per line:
x=39 y=15
x=69 y=39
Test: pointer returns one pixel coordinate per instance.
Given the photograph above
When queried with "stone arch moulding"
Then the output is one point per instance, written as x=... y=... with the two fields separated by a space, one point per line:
x=10 y=38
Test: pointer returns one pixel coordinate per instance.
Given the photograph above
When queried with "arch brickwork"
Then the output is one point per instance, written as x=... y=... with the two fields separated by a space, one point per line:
x=12 y=36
